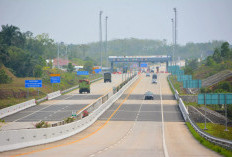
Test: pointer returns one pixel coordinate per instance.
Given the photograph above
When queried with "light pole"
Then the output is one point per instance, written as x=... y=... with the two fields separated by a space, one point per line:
x=58 y=56
x=100 y=35
x=106 y=44
x=172 y=41
x=175 y=28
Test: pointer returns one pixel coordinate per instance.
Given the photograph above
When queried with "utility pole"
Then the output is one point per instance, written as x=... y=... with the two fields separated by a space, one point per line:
x=175 y=28
x=100 y=35
x=173 y=41
x=106 y=44
x=66 y=52
x=58 y=56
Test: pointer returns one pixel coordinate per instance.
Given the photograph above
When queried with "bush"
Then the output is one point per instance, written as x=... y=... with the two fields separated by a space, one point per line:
x=4 y=78
x=42 y=124
x=69 y=120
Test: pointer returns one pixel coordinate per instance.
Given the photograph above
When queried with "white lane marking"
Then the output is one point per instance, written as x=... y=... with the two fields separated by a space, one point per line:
x=162 y=112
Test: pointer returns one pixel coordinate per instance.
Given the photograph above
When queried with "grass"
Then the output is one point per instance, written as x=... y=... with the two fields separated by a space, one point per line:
x=217 y=130
x=208 y=144
x=177 y=85
x=17 y=93
x=171 y=87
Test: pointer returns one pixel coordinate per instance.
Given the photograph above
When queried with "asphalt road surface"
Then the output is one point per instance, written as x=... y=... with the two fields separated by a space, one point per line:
x=137 y=127
x=61 y=107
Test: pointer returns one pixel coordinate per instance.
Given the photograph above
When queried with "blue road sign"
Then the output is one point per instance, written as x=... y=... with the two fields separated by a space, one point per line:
x=33 y=83
x=215 y=98
x=82 y=73
x=55 y=79
x=97 y=71
x=143 y=65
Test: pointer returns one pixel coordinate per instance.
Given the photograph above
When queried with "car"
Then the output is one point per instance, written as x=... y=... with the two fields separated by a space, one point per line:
x=154 y=81
x=152 y=71
x=148 y=96
x=147 y=74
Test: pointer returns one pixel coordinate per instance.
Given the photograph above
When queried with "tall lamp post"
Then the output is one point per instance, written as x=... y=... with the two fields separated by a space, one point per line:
x=100 y=35
x=175 y=28
x=58 y=56
x=106 y=44
x=172 y=41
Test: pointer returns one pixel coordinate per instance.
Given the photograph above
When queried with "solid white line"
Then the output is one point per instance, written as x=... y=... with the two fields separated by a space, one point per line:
x=163 y=131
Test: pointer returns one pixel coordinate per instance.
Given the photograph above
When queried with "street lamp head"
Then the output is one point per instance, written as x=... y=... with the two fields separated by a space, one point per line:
x=101 y=12
x=174 y=9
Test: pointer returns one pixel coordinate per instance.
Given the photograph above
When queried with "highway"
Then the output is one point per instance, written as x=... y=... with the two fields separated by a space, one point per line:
x=61 y=107
x=132 y=127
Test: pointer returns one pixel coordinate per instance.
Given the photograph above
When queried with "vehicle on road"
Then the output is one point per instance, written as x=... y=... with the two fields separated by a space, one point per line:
x=154 y=78
x=148 y=96
x=84 y=86
x=107 y=77
x=147 y=74
x=152 y=71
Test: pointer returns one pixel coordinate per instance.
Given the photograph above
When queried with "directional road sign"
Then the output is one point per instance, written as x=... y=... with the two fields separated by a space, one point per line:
x=144 y=65
x=55 y=79
x=82 y=73
x=33 y=83
x=97 y=71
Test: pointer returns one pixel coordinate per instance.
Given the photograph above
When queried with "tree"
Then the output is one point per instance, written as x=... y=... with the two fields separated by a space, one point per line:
x=37 y=72
x=4 y=78
x=210 y=61
x=11 y=36
x=88 y=66
x=225 y=50
x=70 y=67
x=217 y=55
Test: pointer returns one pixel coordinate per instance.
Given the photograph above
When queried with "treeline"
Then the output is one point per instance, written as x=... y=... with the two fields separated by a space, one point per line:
x=25 y=54
x=220 y=60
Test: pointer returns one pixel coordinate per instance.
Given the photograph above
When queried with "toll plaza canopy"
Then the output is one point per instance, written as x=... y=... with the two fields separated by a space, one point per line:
x=139 y=59
x=160 y=58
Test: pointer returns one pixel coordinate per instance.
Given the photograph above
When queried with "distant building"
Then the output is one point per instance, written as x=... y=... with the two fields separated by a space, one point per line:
x=62 y=62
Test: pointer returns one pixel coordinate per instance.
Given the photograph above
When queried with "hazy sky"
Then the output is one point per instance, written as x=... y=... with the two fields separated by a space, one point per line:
x=77 y=21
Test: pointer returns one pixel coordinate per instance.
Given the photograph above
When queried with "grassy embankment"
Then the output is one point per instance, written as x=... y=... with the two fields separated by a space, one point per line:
x=213 y=129
x=15 y=92
x=208 y=144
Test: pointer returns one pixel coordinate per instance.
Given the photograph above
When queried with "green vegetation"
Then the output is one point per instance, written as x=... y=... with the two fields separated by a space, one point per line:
x=208 y=144
x=15 y=92
x=177 y=85
x=217 y=130
x=220 y=60
x=69 y=120
x=170 y=87
x=42 y=124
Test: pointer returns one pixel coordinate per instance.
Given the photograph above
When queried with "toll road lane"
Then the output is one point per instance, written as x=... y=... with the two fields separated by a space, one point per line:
x=61 y=107
x=130 y=128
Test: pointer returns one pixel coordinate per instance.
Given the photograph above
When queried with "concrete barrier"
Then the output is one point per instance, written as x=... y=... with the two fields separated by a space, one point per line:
x=54 y=95
x=16 y=108
x=15 y=139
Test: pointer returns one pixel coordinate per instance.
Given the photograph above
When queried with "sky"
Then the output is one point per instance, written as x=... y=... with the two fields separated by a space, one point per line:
x=77 y=21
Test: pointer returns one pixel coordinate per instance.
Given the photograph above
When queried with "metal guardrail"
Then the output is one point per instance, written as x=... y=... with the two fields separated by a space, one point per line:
x=218 y=141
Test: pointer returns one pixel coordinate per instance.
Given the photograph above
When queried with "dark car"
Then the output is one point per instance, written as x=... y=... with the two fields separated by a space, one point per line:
x=149 y=95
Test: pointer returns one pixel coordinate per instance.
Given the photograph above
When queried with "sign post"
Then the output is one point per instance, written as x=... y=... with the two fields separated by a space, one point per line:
x=32 y=84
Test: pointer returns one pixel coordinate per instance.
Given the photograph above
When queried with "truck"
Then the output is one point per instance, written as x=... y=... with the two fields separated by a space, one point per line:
x=107 y=77
x=84 y=86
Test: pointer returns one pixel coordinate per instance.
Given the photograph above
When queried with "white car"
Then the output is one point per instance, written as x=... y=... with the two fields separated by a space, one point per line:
x=154 y=81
